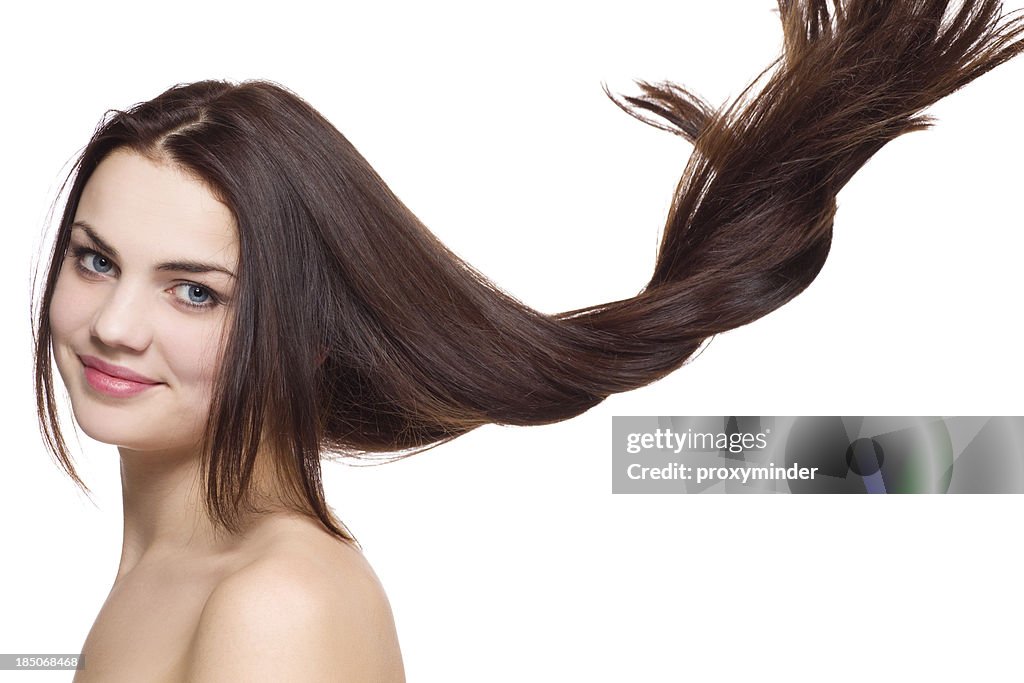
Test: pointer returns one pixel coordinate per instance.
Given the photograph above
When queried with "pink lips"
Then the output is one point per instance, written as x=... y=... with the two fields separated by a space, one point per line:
x=114 y=380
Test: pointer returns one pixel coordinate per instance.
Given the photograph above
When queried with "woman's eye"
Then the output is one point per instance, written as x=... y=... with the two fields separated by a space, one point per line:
x=100 y=264
x=196 y=296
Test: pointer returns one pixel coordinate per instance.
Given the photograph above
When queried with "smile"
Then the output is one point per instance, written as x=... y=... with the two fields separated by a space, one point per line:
x=110 y=385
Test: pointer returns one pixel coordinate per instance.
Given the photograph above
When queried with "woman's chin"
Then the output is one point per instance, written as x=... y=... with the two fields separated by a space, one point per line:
x=114 y=429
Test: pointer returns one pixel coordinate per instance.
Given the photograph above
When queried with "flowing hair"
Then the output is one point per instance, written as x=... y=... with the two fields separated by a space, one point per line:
x=386 y=342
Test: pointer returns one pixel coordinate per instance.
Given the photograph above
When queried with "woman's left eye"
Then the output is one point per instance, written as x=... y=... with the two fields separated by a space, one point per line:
x=197 y=296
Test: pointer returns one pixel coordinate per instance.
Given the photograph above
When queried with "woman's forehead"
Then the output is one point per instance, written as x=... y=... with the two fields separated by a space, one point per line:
x=156 y=209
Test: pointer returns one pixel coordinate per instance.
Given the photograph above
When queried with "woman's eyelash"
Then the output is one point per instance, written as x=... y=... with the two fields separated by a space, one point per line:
x=78 y=252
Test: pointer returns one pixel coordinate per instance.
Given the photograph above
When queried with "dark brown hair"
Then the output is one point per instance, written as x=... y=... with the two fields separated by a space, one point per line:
x=398 y=345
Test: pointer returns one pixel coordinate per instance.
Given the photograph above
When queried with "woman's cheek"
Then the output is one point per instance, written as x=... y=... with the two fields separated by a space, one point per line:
x=68 y=306
x=193 y=354
x=70 y=312
x=193 y=351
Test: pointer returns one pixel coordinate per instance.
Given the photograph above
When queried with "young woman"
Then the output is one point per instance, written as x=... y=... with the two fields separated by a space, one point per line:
x=234 y=294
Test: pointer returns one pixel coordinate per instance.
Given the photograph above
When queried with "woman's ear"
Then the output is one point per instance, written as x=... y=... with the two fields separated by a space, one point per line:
x=322 y=357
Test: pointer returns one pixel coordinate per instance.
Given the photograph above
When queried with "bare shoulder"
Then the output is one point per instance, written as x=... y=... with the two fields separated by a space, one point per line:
x=309 y=607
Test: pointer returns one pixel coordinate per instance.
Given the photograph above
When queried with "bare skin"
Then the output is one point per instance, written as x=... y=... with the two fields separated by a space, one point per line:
x=157 y=624
x=283 y=600
x=189 y=604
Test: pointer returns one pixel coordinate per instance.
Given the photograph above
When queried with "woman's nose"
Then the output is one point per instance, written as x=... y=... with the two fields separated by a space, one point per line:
x=123 y=318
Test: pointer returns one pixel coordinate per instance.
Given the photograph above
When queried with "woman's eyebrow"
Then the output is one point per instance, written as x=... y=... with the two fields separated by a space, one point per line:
x=185 y=266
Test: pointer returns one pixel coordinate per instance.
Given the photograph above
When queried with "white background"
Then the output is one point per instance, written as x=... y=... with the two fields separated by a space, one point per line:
x=505 y=556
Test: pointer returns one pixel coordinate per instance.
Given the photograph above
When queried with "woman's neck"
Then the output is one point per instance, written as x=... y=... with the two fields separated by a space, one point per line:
x=164 y=512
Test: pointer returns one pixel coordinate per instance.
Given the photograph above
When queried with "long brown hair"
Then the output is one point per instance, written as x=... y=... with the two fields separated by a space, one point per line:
x=397 y=345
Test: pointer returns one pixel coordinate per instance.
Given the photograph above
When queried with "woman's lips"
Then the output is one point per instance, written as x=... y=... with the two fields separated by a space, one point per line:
x=125 y=383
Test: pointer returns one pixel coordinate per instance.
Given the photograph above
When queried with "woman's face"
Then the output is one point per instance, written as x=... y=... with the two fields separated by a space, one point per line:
x=145 y=285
